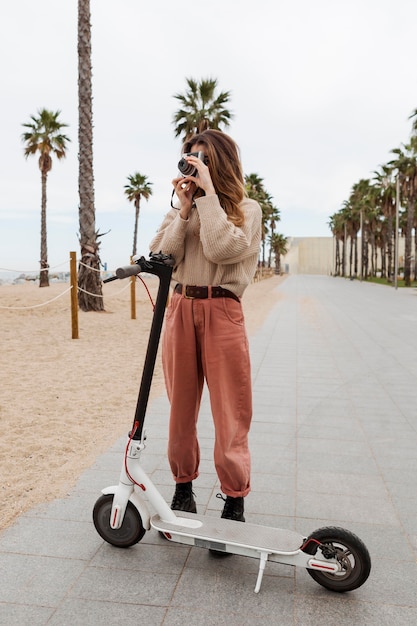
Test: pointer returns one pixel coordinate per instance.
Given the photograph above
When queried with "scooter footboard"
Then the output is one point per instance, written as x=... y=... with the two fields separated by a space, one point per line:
x=229 y=536
x=260 y=542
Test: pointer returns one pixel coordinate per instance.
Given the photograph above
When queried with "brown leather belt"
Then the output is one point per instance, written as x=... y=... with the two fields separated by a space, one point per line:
x=196 y=291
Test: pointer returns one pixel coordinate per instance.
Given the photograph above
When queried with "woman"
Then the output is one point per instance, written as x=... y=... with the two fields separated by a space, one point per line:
x=214 y=236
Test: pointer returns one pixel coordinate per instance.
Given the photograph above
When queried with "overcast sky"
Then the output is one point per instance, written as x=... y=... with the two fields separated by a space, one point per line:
x=321 y=91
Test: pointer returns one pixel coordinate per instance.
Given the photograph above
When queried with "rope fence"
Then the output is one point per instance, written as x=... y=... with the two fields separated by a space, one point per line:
x=35 y=306
x=73 y=289
x=44 y=269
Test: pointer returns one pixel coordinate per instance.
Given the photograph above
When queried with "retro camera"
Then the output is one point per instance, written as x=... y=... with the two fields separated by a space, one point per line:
x=185 y=168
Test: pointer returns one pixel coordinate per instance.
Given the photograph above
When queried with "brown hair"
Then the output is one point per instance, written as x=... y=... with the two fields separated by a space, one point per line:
x=225 y=170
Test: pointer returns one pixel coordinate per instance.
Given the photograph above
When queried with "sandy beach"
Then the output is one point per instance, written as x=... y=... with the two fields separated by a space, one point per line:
x=64 y=401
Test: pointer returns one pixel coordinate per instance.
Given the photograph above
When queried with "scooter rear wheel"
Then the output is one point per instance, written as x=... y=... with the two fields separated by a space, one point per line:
x=350 y=552
x=130 y=532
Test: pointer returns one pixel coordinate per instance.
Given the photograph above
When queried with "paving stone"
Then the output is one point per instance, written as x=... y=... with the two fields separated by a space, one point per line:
x=333 y=442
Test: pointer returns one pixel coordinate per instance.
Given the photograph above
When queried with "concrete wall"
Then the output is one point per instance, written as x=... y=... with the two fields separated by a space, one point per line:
x=316 y=255
x=309 y=255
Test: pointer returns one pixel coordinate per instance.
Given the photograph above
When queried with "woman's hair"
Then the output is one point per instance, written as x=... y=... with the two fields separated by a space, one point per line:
x=225 y=168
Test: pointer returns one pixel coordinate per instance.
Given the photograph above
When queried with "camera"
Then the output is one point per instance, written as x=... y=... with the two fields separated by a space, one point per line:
x=185 y=168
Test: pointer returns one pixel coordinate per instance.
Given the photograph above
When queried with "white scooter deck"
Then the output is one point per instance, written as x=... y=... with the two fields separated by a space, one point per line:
x=262 y=542
x=225 y=535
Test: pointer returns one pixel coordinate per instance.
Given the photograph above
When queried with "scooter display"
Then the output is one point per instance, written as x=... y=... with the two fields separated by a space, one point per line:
x=334 y=557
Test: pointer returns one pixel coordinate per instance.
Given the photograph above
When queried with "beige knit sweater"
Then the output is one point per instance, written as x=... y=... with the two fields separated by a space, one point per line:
x=209 y=249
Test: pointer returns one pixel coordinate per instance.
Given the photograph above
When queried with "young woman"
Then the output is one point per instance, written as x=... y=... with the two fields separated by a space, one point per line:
x=214 y=236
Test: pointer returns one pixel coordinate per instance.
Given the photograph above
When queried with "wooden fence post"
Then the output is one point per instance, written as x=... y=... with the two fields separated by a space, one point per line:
x=132 y=295
x=74 y=294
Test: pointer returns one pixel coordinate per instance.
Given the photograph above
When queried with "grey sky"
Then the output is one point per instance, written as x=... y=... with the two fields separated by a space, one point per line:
x=321 y=92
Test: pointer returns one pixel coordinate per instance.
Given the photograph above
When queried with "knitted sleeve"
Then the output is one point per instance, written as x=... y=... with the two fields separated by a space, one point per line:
x=170 y=237
x=222 y=241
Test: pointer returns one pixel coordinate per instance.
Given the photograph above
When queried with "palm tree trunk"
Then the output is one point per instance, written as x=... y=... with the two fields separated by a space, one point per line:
x=384 y=258
x=351 y=256
x=89 y=280
x=373 y=246
x=277 y=263
x=43 y=274
x=408 y=240
x=337 y=258
x=389 y=249
x=365 y=253
x=135 y=233
x=355 y=270
x=415 y=254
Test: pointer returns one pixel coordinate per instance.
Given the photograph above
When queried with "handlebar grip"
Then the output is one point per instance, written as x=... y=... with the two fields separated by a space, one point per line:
x=128 y=270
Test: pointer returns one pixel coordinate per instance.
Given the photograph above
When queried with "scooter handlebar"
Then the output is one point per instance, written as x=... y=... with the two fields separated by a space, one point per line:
x=157 y=264
x=128 y=270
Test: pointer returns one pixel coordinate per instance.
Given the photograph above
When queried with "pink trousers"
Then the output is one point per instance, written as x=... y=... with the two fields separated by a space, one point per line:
x=205 y=339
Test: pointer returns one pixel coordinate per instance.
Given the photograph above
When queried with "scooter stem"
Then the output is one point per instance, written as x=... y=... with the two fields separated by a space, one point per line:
x=161 y=266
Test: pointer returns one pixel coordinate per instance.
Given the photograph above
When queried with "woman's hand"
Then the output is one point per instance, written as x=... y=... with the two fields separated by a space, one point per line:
x=185 y=186
x=203 y=179
x=184 y=189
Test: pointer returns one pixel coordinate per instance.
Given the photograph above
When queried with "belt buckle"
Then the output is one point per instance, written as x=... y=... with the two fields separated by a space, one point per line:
x=184 y=293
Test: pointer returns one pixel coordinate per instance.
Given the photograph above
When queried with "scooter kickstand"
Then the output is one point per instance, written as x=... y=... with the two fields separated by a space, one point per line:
x=262 y=562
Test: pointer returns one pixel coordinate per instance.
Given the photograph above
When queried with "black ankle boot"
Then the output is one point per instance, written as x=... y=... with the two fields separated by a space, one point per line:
x=233 y=509
x=183 y=499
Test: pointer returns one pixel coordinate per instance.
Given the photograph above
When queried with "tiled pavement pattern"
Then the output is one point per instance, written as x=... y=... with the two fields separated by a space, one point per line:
x=333 y=443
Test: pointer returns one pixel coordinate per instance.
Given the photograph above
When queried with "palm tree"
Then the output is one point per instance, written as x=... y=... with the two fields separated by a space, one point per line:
x=346 y=213
x=274 y=218
x=337 y=226
x=201 y=108
x=254 y=186
x=89 y=280
x=385 y=182
x=255 y=189
x=138 y=188
x=406 y=164
x=44 y=136
x=413 y=149
x=279 y=246
x=361 y=202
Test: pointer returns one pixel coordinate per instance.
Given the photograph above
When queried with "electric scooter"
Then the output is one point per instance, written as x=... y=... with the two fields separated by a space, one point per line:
x=334 y=557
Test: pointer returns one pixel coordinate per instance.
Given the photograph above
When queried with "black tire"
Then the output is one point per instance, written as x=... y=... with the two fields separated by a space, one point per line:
x=348 y=549
x=128 y=534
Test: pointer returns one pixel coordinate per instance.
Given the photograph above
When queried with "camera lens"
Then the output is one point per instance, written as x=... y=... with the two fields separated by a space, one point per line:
x=186 y=168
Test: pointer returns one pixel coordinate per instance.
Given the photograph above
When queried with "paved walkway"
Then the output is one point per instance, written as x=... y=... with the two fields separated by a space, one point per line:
x=333 y=442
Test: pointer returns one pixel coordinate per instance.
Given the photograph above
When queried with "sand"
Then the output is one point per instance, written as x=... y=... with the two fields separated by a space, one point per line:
x=64 y=401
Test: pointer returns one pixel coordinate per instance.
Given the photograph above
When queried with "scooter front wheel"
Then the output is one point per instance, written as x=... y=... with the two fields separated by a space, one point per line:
x=130 y=532
x=348 y=550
